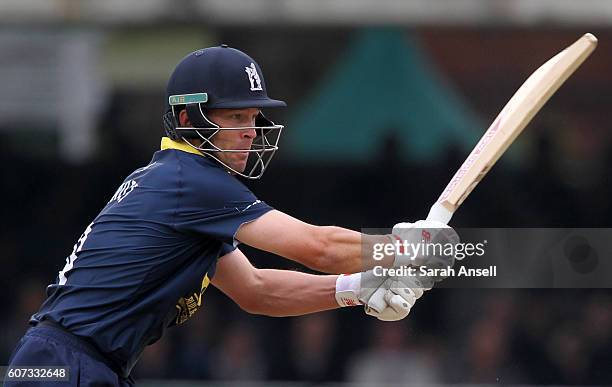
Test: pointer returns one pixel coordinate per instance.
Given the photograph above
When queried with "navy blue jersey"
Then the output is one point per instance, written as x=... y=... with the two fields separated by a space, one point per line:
x=145 y=261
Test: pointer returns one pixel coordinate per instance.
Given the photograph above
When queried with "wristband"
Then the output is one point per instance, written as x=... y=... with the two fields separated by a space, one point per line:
x=348 y=287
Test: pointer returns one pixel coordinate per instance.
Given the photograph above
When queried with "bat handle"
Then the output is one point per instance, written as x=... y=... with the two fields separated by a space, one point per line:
x=439 y=213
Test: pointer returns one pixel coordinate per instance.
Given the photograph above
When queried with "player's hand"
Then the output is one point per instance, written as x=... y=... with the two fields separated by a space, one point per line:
x=386 y=298
x=394 y=300
x=424 y=243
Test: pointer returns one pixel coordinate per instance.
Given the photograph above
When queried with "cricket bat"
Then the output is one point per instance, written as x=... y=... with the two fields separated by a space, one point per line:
x=513 y=118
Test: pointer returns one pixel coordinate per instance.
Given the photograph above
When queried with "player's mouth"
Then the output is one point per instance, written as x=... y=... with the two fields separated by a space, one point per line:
x=245 y=154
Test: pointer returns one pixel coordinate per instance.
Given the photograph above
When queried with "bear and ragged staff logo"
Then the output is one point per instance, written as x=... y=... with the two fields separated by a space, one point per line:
x=254 y=78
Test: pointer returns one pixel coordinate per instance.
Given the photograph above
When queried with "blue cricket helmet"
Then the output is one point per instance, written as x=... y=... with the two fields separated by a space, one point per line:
x=229 y=78
x=220 y=78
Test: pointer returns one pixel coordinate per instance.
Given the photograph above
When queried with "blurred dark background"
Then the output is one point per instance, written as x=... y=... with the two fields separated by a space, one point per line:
x=382 y=111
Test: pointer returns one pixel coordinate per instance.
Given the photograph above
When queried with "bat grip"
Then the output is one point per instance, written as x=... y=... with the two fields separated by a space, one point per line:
x=439 y=213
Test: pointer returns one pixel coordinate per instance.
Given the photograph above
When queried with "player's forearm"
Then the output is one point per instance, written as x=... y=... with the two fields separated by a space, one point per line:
x=283 y=293
x=347 y=251
x=328 y=249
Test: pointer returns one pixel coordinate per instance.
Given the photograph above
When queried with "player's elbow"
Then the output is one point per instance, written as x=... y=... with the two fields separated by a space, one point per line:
x=251 y=306
x=250 y=303
x=262 y=297
x=263 y=308
x=253 y=299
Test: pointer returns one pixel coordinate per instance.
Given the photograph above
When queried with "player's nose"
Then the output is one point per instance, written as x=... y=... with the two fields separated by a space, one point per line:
x=249 y=133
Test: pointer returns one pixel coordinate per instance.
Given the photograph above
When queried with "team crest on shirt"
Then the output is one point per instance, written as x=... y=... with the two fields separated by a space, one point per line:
x=253 y=77
x=188 y=305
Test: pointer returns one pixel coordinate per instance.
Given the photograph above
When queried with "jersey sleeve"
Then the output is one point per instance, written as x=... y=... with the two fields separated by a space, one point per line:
x=217 y=207
x=226 y=249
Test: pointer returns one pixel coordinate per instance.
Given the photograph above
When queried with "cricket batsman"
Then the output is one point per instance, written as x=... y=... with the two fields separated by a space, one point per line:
x=174 y=227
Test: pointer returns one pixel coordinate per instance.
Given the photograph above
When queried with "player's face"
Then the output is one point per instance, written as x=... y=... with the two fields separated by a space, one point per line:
x=234 y=139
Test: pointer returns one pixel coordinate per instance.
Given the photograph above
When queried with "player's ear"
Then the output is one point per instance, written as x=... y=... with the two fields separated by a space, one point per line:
x=184 y=119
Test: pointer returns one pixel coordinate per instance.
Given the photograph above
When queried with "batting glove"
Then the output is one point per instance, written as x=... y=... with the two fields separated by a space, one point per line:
x=386 y=298
x=424 y=243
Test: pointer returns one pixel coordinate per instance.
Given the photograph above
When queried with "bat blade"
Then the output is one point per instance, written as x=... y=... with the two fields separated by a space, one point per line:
x=509 y=123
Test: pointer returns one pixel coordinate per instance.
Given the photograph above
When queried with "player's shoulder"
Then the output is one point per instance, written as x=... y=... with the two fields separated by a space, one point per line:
x=194 y=168
x=172 y=162
x=160 y=167
x=200 y=176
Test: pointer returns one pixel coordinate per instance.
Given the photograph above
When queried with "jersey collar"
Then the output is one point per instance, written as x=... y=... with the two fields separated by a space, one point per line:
x=167 y=143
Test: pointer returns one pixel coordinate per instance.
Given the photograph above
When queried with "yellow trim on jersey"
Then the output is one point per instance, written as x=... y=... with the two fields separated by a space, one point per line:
x=205 y=283
x=167 y=143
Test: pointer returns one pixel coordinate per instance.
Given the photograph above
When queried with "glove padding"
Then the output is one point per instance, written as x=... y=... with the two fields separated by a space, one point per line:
x=394 y=299
x=418 y=236
x=384 y=297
